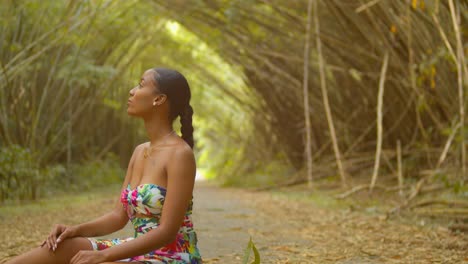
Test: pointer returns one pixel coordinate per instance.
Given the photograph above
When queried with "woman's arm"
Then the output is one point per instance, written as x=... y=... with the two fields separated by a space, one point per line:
x=104 y=225
x=114 y=220
x=180 y=181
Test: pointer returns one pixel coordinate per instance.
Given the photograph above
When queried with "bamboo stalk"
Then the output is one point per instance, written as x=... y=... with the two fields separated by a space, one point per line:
x=326 y=104
x=400 y=170
x=443 y=155
x=460 y=62
x=308 y=145
x=431 y=174
x=452 y=203
x=379 y=121
x=366 y=5
x=444 y=212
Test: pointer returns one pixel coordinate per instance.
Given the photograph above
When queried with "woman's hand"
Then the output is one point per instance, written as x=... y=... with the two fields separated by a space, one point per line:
x=88 y=257
x=59 y=233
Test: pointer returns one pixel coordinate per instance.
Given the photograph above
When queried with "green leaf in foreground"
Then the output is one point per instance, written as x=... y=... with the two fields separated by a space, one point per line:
x=251 y=247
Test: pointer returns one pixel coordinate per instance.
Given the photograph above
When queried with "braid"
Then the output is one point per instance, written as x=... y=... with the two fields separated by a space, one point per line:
x=186 y=122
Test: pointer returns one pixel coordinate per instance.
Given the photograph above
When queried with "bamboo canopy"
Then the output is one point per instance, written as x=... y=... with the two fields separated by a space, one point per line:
x=67 y=66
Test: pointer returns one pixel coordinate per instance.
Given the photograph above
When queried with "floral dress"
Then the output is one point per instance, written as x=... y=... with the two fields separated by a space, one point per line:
x=148 y=199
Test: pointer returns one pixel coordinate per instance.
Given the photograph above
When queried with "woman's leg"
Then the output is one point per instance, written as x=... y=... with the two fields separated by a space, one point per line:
x=62 y=255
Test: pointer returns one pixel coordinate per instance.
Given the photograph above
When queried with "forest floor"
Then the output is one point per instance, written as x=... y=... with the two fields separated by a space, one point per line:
x=287 y=226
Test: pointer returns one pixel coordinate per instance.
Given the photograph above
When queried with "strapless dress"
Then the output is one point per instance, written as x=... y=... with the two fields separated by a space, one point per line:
x=148 y=199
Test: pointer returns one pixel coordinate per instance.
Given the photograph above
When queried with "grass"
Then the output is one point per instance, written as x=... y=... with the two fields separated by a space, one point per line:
x=323 y=196
x=317 y=197
x=49 y=204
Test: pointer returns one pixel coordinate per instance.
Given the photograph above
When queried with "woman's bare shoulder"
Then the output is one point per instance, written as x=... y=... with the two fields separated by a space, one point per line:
x=182 y=152
x=141 y=146
x=137 y=150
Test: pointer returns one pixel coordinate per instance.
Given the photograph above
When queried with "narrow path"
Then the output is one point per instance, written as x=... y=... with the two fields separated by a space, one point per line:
x=292 y=231
x=284 y=230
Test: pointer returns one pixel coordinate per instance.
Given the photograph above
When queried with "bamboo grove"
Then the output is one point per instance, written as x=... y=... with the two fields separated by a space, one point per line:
x=385 y=86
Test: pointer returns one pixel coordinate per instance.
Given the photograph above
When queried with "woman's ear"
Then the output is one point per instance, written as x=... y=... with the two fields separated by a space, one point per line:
x=160 y=99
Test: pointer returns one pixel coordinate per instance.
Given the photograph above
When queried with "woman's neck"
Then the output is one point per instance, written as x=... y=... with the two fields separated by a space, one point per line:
x=157 y=127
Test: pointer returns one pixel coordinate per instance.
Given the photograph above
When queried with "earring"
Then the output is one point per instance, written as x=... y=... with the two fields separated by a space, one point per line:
x=154 y=103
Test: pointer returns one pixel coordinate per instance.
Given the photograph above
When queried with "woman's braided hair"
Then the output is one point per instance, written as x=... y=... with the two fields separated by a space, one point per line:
x=173 y=84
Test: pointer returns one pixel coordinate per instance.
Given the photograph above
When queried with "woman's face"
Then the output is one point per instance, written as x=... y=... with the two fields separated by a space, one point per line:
x=143 y=98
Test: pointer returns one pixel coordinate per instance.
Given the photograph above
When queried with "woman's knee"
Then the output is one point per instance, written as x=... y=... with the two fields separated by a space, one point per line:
x=63 y=253
x=73 y=245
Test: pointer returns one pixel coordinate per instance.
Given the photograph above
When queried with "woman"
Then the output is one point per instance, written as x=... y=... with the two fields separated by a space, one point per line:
x=156 y=195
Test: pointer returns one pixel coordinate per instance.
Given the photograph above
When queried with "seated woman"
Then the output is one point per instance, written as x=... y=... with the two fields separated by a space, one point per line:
x=156 y=195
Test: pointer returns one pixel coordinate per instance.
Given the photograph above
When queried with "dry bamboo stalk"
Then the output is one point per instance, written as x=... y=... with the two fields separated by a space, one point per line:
x=366 y=5
x=459 y=60
x=446 y=41
x=410 y=50
x=411 y=69
x=308 y=151
x=444 y=37
x=419 y=184
x=326 y=104
x=379 y=121
x=454 y=203
x=69 y=134
x=352 y=191
x=445 y=212
x=447 y=145
x=360 y=188
x=400 y=170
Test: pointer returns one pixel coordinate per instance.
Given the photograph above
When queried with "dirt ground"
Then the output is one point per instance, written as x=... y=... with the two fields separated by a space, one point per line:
x=284 y=229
